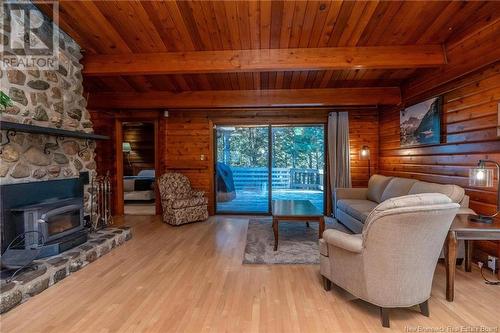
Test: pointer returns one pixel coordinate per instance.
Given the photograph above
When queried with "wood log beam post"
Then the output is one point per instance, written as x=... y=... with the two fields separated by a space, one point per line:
x=264 y=60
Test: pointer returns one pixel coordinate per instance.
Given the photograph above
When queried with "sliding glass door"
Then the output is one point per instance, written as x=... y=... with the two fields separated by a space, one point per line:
x=242 y=169
x=298 y=161
x=258 y=164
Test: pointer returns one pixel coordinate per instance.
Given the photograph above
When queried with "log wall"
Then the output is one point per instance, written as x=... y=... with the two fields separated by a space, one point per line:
x=469 y=133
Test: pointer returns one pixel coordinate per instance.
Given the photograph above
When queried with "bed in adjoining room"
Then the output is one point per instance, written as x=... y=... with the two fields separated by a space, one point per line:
x=140 y=187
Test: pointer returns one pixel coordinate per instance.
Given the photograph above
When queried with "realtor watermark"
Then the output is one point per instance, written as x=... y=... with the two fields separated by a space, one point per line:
x=451 y=329
x=30 y=40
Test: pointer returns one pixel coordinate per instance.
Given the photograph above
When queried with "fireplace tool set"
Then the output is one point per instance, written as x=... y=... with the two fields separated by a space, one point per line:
x=100 y=203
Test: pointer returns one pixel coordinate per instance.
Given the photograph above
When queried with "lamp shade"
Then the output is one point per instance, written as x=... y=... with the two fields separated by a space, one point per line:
x=126 y=147
x=364 y=153
x=481 y=177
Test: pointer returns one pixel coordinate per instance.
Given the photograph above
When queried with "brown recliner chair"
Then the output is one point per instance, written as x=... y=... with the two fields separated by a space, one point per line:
x=180 y=203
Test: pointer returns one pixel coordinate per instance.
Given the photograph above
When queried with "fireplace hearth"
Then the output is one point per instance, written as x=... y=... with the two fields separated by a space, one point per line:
x=55 y=209
x=51 y=270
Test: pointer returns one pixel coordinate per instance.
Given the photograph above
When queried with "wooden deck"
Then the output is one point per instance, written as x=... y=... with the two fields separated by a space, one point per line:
x=257 y=202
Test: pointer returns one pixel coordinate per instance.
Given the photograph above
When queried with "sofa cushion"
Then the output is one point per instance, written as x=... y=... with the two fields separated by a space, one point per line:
x=376 y=187
x=357 y=208
x=191 y=202
x=454 y=192
x=397 y=187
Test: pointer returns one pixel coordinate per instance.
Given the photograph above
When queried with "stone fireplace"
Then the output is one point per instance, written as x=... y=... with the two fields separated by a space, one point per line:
x=48 y=98
x=48 y=170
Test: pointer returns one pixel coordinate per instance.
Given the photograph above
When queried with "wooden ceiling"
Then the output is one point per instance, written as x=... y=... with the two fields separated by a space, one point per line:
x=137 y=27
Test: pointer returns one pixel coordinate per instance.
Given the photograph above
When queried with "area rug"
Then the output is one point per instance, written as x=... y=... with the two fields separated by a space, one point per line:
x=298 y=244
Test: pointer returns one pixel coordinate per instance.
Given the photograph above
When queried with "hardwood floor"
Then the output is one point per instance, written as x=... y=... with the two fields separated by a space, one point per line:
x=139 y=209
x=190 y=279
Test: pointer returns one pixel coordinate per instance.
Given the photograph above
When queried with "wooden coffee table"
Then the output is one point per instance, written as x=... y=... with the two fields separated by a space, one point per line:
x=462 y=228
x=295 y=211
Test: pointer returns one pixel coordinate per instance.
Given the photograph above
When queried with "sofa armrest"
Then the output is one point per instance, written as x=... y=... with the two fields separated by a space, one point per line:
x=352 y=243
x=350 y=193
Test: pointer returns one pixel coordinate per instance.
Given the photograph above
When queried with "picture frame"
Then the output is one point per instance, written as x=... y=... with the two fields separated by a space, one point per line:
x=420 y=124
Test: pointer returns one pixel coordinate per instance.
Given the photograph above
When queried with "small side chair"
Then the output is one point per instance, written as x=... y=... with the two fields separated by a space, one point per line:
x=180 y=203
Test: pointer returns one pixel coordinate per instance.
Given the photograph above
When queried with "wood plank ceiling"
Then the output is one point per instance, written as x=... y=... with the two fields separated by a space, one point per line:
x=125 y=27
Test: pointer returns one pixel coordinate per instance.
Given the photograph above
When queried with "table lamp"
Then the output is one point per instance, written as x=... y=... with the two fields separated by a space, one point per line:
x=481 y=176
x=127 y=148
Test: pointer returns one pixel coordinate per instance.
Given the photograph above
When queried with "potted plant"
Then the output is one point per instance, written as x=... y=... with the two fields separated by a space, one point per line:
x=5 y=101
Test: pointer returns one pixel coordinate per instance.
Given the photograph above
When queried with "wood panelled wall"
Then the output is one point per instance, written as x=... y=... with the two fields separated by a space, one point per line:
x=469 y=133
x=185 y=139
x=105 y=152
x=188 y=138
x=104 y=124
x=140 y=135
x=363 y=131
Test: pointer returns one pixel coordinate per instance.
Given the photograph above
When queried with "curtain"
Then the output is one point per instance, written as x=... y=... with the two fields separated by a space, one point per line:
x=338 y=152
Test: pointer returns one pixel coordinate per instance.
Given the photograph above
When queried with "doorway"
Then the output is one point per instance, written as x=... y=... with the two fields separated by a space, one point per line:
x=259 y=163
x=136 y=165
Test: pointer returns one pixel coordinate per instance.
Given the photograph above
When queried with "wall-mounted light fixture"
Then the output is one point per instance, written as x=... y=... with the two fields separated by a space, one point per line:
x=127 y=148
x=364 y=154
x=481 y=176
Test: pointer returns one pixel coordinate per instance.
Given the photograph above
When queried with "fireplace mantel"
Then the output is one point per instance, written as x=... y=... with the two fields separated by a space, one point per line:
x=17 y=127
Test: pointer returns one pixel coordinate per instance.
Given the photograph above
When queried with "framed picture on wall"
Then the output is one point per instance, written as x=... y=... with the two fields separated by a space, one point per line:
x=420 y=124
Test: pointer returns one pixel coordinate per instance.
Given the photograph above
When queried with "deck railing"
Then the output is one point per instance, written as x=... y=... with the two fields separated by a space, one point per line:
x=307 y=179
x=282 y=178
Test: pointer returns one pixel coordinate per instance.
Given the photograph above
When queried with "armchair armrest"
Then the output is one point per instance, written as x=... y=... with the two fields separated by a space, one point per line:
x=350 y=193
x=465 y=202
x=352 y=243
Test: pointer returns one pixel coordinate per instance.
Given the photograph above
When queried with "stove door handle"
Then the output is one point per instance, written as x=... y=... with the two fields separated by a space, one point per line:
x=43 y=228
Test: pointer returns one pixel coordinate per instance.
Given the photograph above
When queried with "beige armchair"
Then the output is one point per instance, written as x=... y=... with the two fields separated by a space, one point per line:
x=180 y=203
x=391 y=264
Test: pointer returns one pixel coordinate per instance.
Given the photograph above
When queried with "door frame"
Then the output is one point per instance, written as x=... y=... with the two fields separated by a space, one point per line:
x=151 y=117
x=269 y=124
